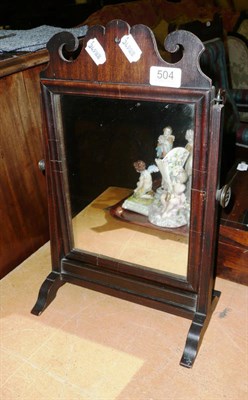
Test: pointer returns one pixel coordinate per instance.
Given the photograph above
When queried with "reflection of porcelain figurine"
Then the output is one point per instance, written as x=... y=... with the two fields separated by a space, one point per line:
x=189 y=136
x=170 y=165
x=143 y=195
x=144 y=184
x=165 y=142
x=171 y=209
x=173 y=202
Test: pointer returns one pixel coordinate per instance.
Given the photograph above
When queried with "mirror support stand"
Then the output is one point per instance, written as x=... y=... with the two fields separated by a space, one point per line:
x=47 y=292
x=196 y=332
x=132 y=76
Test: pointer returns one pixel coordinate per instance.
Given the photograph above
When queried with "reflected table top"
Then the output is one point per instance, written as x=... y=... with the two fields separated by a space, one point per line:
x=96 y=230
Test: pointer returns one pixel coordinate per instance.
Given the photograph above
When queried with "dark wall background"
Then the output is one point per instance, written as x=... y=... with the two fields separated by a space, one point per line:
x=27 y=14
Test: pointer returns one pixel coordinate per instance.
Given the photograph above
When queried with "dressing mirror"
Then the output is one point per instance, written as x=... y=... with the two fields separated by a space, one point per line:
x=132 y=147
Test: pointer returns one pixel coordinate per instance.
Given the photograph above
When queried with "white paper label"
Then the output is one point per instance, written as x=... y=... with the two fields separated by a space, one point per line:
x=96 y=51
x=166 y=77
x=130 y=48
x=242 y=166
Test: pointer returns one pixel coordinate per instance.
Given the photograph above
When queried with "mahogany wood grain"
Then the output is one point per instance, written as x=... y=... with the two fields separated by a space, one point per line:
x=72 y=72
x=23 y=199
x=232 y=261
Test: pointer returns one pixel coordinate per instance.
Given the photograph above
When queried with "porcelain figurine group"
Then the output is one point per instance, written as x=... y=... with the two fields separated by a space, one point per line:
x=169 y=205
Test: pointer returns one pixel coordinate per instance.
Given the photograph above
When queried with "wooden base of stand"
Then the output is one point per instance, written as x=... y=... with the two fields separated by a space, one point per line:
x=47 y=292
x=197 y=329
x=196 y=332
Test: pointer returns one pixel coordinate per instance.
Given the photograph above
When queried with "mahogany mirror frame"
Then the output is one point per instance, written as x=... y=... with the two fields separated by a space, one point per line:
x=72 y=71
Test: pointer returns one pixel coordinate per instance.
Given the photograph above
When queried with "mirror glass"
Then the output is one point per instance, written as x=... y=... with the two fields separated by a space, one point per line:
x=129 y=170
